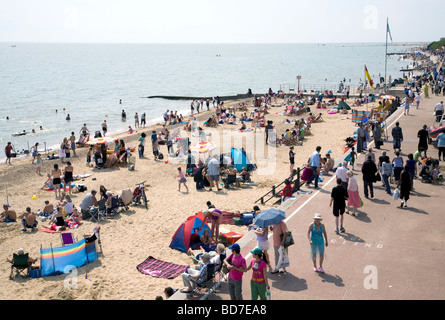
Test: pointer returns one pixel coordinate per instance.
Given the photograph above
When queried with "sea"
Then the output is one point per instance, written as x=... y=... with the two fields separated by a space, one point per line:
x=41 y=83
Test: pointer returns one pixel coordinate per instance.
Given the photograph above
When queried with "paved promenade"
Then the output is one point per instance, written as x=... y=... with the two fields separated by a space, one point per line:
x=387 y=252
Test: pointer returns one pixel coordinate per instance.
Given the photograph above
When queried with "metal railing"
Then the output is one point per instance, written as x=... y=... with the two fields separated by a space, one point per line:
x=296 y=182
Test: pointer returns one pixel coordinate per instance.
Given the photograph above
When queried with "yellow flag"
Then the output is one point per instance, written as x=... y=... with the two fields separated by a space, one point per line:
x=371 y=83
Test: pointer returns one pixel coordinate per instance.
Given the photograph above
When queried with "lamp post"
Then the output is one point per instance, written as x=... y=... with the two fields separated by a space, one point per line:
x=298 y=78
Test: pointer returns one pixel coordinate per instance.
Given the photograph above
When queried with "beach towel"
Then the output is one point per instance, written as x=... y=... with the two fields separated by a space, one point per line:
x=227 y=217
x=161 y=269
x=48 y=230
x=231 y=237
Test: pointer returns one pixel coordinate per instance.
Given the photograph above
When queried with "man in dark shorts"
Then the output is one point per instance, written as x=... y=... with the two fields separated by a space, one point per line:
x=8 y=152
x=338 y=197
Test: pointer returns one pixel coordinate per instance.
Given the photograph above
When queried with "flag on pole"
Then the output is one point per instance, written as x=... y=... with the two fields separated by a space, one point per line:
x=371 y=83
x=388 y=30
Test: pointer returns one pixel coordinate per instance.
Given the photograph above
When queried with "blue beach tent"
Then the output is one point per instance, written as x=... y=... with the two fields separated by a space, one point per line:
x=181 y=238
x=240 y=159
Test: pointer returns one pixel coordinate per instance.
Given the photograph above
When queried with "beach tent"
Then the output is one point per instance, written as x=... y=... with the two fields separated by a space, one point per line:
x=240 y=159
x=343 y=105
x=181 y=238
x=54 y=261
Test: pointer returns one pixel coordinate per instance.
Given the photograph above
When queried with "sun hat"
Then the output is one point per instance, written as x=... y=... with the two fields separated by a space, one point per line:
x=257 y=251
x=318 y=216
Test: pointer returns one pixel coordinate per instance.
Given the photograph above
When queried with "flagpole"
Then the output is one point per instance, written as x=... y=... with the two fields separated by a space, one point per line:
x=386 y=54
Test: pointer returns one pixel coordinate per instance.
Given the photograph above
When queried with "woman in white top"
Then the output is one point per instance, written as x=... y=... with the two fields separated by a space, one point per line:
x=68 y=205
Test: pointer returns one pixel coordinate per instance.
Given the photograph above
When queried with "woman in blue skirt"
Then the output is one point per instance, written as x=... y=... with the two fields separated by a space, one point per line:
x=318 y=240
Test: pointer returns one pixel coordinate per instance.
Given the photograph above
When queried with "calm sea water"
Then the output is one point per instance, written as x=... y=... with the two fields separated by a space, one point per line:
x=88 y=80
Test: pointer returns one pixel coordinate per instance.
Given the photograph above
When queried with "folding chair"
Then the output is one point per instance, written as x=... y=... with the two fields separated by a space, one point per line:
x=67 y=238
x=219 y=268
x=201 y=285
x=94 y=213
x=21 y=265
x=102 y=209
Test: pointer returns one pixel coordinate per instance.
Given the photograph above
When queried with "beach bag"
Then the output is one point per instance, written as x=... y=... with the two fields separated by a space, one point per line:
x=396 y=194
x=160 y=156
x=288 y=240
x=378 y=177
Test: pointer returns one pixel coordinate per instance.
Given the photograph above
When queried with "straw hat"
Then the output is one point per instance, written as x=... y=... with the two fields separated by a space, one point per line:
x=317 y=216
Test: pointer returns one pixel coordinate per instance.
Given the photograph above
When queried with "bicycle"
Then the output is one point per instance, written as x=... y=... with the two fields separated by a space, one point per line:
x=139 y=194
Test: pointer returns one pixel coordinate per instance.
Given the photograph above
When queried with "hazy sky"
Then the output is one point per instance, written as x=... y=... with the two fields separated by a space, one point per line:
x=219 y=21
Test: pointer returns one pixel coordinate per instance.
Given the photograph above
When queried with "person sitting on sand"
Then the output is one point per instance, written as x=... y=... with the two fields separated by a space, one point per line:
x=8 y=215
x=29 y=219
x=57 y=219
x=48 y=210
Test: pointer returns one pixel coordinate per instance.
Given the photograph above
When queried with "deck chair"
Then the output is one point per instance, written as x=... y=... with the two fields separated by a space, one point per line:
x=21 y=265
x=67 y=238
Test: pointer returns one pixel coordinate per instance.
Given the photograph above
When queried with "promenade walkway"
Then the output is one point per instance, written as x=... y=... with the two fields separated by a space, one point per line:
x=387 y=252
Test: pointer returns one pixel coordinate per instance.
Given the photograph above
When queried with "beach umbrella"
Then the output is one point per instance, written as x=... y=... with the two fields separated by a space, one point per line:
x=388 y=97
x=269 y=217
x=203 y=147
x=101 y=140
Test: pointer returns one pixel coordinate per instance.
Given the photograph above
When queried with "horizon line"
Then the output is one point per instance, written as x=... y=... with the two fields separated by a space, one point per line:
x=213 y=43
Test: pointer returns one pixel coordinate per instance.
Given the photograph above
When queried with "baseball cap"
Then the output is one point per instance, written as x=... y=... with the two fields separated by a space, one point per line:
x=257 y=251
x=235 y=246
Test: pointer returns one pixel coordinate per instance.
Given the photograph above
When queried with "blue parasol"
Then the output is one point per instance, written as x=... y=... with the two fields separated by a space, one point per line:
x=269 y=217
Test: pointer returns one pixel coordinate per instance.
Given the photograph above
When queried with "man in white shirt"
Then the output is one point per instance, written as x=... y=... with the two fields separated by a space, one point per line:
x=214 y=171
x=342 y=173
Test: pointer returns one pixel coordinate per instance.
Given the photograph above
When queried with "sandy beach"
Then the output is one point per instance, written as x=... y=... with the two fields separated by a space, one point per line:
x=134 y=235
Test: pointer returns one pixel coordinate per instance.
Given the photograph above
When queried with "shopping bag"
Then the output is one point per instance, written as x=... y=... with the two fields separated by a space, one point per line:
x=396 y=194
x=283 y=260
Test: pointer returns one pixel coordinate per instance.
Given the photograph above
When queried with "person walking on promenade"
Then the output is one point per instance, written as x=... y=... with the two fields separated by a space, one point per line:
x=369 y=170
x=318 y=240
x=259 y=282
x=278 y=236
x=398 y=165
x=234 y=261
x=441 y=145
x=423 y=136
x=397 y=136
x=360 y=138
x=314 y=161
x=386 y=171
x=342 y=173
x=353 y=194
x=338 y=201
x=438 y=111
x=404 y=186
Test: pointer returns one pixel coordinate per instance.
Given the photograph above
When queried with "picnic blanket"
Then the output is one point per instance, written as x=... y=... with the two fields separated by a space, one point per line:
x=161 y=269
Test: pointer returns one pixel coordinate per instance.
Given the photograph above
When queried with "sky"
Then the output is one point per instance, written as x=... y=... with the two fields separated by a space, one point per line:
x=217 y=21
